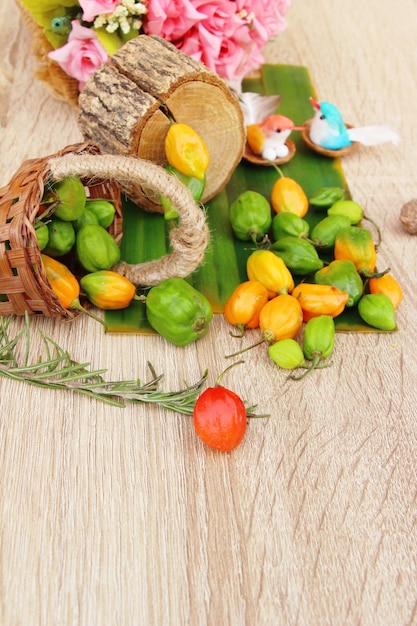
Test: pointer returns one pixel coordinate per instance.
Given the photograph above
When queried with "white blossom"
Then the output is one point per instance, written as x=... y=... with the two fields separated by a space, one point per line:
x=124 y=17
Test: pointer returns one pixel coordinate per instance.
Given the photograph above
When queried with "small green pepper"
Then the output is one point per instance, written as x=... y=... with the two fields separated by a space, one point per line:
x=355 y=213
x=343 y=275
x=95 y=248
x=71 y=196
x=324 y=197
x=324 y=233
x=377 y=310
x=42 y=234
x=299 y=255
x=61 y=237
x=318 y=341
x=289 y=225
x=194 y=184
x=250 y=216
x=104 y=211
x=287 y=353
x=349 y=209
x=178 y=312
x=86 y=217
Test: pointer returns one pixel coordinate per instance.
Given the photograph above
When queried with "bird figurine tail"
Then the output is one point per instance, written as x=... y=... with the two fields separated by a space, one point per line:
x=374 y=135
x=256 y=108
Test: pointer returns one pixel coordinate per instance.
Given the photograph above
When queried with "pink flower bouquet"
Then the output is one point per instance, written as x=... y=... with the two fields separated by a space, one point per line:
x=226 y=35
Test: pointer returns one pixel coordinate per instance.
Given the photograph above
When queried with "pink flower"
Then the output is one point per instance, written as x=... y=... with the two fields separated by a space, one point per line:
x=171 y=19
x=221 y=41
x=92 y=8
x=265 y=18
x=81 y=55
x=229 y=37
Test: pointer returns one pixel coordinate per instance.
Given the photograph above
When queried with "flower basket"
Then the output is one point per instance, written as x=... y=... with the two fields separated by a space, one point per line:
x=24 y=287
x=60 y=84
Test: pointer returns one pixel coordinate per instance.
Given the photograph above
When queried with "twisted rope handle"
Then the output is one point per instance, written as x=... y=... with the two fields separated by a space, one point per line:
x=188 y=241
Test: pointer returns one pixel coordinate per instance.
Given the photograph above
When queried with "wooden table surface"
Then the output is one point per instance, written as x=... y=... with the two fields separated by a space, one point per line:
x=118 y=517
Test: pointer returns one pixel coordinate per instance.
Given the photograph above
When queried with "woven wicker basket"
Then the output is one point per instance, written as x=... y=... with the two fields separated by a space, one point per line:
x=24 y=287
x=23 y=283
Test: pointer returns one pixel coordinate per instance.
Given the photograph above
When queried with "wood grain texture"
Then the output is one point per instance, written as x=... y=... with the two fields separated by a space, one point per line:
x=121 y=517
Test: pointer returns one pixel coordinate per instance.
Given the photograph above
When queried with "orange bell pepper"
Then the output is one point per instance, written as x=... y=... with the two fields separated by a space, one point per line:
x=389 y=286
x=244 y=305
x=318 y=300
x=281 y=318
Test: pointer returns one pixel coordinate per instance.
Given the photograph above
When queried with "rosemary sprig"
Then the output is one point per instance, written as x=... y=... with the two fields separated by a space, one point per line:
x=57 y=370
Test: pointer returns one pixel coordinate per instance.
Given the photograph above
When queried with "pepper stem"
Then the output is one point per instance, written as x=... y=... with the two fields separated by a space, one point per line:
x=278 y=169
x=254 y=345
x=367 y=274
x=76 y=304
x=268 y=337
x=219 y=379
x=241 y=328
x=312 y=366
x=378 y=230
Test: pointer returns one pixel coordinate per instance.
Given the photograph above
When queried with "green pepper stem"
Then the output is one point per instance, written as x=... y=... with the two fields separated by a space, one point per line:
x=241 y=328
x=267 y=337
x=254 y=345
x=219 y=379
x=314 y=363
x=264 y=242
x=367 y=274
x=278 y=169
x=76 y=304
x=378 y=230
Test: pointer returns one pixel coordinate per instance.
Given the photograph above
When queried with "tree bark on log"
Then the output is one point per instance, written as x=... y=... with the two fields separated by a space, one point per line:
x=128 y=104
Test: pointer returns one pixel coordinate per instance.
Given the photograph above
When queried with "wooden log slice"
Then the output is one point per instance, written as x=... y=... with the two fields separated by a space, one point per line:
x=127 y=105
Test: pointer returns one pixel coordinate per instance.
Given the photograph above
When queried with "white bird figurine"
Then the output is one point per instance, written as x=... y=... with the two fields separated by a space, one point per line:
x=266 y=132
x=328 y=130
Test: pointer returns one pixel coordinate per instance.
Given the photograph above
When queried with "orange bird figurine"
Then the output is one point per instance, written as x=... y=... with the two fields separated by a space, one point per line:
x=266 y=131
x=269 y=136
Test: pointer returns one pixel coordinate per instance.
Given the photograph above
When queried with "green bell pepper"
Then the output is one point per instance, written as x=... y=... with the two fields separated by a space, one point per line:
x=61 y=237
x=299 y=255
x=194 y=184
x=377 y=310
x=95 y=248
x=289 y=225
x=250 y=216
x=343 y=275
x=324 y=233
x=324 y=197
x=178 y=312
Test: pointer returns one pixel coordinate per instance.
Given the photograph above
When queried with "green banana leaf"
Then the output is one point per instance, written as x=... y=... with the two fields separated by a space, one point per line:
x=146 y=234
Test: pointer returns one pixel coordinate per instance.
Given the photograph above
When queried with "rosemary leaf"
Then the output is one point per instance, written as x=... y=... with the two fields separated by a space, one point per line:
x=60 y=371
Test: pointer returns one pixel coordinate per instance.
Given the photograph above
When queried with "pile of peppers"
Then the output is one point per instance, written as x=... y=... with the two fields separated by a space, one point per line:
x=71 y=230
x=301 y=278
x=69 y=226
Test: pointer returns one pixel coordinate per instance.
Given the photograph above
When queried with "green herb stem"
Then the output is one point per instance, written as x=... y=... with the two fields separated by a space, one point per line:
x=60 y=371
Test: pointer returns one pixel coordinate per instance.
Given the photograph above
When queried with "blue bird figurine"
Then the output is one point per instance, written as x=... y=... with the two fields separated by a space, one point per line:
x=328 y=130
